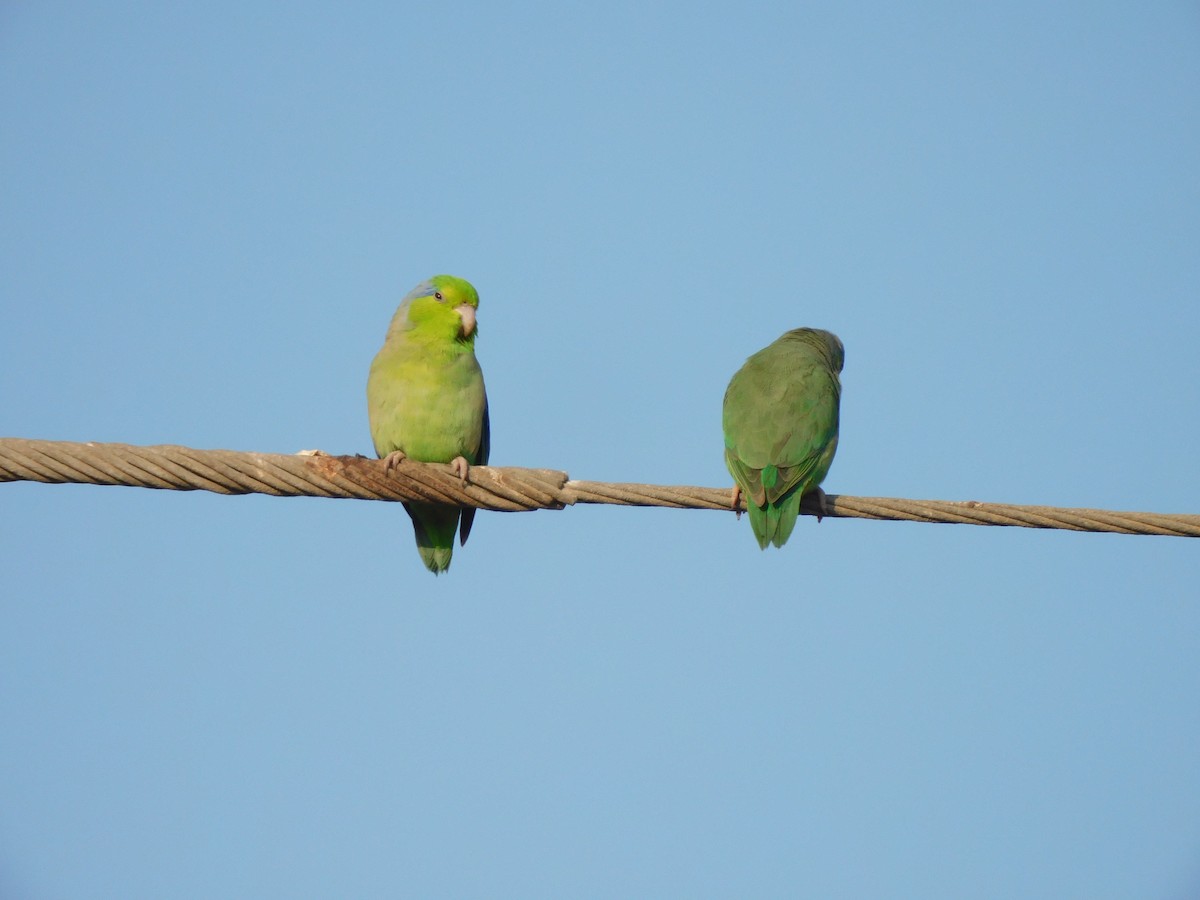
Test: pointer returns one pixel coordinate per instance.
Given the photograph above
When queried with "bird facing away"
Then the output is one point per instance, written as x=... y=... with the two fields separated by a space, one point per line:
x=780 y=419
x=425 y=400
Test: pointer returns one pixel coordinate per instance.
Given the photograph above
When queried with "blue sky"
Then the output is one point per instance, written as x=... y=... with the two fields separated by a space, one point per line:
x=208 y=217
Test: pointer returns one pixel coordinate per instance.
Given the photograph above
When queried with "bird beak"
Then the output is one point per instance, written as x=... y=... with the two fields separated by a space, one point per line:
x=466 y=312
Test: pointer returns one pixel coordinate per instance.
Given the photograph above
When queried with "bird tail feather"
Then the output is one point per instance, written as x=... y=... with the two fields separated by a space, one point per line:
x=434 y=527
x=436 y=559
x=787 y=509
x=773 y=523
x=760 y=523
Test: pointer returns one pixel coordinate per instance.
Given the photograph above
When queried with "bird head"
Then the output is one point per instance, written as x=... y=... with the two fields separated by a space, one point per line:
x=444 y=306
x=825 y=342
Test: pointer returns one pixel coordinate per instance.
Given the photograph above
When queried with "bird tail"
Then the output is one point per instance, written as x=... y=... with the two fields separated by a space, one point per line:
x=773 y=523
x=436 y=559
x=434 y=527
x=760 y=523
x=787 y=509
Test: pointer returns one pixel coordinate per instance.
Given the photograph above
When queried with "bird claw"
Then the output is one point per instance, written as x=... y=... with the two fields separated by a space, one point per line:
x=735 y=501
x=458 y=465
x=822 y=509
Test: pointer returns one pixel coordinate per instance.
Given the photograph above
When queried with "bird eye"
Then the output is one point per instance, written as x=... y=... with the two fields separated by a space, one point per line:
x=438 y=295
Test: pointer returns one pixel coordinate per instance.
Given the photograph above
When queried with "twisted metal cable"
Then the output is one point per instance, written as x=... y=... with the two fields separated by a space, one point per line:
x=500 y=488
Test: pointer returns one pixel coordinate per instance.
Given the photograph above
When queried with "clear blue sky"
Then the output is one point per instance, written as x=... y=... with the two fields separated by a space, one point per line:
x=209 y=214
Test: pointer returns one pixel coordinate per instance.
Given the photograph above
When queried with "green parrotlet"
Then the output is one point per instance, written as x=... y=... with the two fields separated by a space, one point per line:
x=780 y=419
x=426 y=401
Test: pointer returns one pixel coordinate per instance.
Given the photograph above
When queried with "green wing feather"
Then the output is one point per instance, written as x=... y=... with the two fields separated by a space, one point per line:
x=780 y=419
x=481 y=458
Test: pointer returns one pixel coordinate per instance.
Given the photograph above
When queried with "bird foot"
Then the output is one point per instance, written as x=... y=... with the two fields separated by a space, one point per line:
x=822 y=509
x=461 y=468
x=735 y=502
x=393 y=459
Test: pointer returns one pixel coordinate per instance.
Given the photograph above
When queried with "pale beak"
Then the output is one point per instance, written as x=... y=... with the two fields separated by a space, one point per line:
x=466 y=312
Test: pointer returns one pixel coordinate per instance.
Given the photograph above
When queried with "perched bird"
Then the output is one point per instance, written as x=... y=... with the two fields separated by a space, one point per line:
x=780 y=419
x=425 y=400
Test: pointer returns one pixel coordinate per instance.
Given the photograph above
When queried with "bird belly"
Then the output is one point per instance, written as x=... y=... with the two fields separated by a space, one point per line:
x=426 y=411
